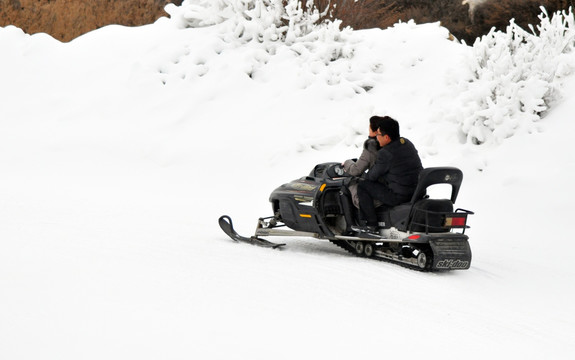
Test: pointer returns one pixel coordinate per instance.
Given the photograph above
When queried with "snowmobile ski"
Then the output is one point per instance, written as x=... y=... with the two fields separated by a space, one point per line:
x=227 y=226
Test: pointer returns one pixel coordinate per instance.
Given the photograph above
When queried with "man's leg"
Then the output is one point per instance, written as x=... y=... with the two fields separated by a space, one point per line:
x=368 y=191
x=366 y=206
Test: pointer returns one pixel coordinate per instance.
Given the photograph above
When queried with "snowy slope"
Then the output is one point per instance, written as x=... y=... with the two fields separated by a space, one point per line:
x=119 y=151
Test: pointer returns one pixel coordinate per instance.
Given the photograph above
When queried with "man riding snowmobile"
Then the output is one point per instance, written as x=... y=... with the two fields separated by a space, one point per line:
x=393 y=178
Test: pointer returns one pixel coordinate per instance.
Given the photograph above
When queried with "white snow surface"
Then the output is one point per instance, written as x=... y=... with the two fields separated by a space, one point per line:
x=120 y=150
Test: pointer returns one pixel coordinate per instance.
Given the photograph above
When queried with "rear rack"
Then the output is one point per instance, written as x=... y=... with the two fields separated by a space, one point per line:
x=440 y=221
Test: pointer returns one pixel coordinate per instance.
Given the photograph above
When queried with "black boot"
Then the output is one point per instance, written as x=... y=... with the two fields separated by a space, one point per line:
x=364 y=228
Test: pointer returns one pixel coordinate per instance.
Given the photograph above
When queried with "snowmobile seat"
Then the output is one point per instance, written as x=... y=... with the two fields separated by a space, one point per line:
x=392 y=216
x=422 y=213
x=427 y=214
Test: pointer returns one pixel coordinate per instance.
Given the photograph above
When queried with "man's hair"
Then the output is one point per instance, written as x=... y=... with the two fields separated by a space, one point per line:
x=388 y=125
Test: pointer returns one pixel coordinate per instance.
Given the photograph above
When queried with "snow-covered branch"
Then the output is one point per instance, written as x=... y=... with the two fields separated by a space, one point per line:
x=261 y=20
x=514 y=77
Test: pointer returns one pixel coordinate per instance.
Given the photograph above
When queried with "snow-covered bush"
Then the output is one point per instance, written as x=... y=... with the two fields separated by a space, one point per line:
x=270 y=32
x=515 y=76
x=261 y=20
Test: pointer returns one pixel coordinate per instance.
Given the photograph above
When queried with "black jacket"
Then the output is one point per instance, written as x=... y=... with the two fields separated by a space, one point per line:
x=398 y=166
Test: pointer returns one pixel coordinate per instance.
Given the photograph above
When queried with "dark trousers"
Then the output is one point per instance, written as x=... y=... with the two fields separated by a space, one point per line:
x=368 y=191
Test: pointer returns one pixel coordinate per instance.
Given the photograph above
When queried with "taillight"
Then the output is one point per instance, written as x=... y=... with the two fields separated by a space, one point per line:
x=455 y=221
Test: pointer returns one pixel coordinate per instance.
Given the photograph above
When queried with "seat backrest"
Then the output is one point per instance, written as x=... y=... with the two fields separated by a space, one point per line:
x=438 y=175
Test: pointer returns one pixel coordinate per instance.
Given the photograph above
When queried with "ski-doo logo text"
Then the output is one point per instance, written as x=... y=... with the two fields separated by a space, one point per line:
x=452 y=264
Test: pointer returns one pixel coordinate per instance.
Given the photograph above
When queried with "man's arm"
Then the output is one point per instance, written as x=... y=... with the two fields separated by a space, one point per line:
x=356 y=168
x=381 y=166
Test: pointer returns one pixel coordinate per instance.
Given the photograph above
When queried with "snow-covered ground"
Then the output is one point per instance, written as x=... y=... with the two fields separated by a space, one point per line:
x=120 y=150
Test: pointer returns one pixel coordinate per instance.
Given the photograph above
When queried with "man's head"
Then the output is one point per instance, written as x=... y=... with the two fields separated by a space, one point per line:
x=388 y=130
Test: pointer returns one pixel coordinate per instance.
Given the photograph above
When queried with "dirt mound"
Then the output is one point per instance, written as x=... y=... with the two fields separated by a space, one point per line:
x=68 y=19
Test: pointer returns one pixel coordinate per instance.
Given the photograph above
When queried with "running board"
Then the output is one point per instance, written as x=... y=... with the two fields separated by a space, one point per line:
x=280 y=232
x=293 y=233
x=376 y=240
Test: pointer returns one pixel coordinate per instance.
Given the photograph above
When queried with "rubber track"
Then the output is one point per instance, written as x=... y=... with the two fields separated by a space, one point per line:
x=347 y=247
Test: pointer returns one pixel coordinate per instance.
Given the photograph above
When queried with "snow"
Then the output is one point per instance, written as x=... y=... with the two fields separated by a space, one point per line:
x=120 y=150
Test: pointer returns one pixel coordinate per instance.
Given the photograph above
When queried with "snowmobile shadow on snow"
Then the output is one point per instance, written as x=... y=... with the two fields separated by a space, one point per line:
x=424 y=233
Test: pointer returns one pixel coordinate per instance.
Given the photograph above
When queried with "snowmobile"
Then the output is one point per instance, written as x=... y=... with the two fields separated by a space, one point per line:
x=425 y=233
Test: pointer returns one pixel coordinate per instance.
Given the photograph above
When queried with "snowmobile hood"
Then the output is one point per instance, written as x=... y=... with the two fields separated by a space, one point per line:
x=304 y=189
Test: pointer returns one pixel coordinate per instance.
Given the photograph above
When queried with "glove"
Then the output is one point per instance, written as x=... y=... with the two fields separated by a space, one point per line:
x=370 y=142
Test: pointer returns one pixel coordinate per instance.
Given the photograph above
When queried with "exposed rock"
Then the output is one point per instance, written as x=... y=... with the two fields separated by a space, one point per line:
x=68 y=19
